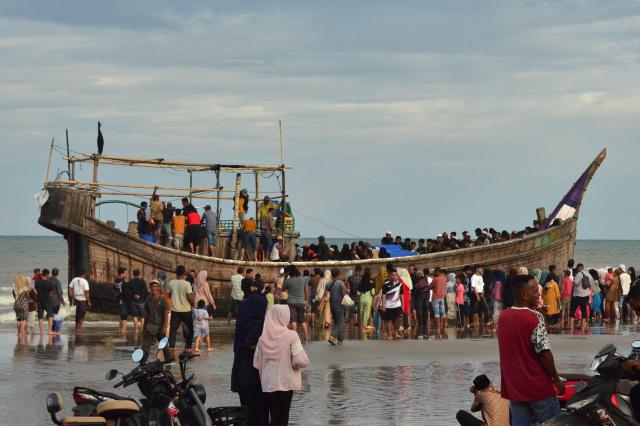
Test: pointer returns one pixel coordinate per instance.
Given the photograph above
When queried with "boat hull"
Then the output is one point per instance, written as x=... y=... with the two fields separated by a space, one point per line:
x=101 y=249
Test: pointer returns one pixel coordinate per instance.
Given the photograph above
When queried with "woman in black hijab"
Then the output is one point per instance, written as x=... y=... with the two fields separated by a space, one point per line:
x=245 y=379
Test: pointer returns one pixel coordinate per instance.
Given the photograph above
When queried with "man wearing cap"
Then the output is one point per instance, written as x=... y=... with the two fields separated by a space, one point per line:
x=263 y=208
x=387 y=239
x=211 y=221
x=487 y=400
x=155 y=324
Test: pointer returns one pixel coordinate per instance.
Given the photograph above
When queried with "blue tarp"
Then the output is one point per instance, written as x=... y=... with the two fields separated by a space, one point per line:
x=395 y=250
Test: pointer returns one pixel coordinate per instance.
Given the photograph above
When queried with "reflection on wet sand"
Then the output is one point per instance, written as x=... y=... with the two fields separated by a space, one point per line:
x=364 y=382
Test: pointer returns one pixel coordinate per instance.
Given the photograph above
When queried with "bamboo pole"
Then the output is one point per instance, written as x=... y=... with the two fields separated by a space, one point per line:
x=130 y=161
x=257 y=177
x=123 y=185
x=234 y=223
x=46 y=179
x=190 y=185
x=66 y=131
x=95 y=171
x=218 y=200
x=148 y=195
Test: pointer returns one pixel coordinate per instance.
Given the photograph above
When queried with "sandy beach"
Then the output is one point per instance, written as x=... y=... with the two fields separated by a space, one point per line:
x=361 y=382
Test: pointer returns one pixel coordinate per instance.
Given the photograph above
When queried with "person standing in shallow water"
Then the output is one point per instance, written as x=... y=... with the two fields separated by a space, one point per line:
x=336 y=290
x=527 y=367
x=279 y=358
x=245 y=379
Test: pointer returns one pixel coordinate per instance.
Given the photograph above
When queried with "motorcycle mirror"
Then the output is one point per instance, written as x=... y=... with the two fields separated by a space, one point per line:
x=55 y=403
x=165 y=341
x=137 y=355
x=635 y=344
x=608 y=349
x=111 y=374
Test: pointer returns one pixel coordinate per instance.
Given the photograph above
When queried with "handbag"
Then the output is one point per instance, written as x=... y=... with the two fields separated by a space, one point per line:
x=347 y=301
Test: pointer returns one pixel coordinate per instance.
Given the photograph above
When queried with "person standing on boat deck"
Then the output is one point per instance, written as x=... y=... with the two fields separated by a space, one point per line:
x=337 y=290
x=236 y=293
x=181 y=303
x=143 y=224
x=322 y=253
x=298 y=298
x=387 y=239
x=248 y=239
x=210 y=220
x=119 y=289
x=527 y=366
x=178 y=226
x=193 y=230
x=264 y=207
x=242 y=204
x=137 y=294
x=277 y=251
x=79 y=293
x=267 y=229
x=167 y=221
x=156 y=207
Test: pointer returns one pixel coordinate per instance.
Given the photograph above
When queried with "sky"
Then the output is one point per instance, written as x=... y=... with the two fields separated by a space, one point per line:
x=415 y=117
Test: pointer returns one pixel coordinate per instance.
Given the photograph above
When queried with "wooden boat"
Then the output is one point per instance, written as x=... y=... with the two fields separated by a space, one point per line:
x=100 y=248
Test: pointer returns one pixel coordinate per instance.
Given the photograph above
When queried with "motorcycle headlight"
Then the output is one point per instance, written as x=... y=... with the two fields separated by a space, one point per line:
x=581 y=403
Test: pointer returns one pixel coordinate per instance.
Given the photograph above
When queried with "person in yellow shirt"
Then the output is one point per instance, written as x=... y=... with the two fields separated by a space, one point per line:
x=551 y=300
x=263 y=209
x=248 y=238
x=242 y=204
x=178 y=223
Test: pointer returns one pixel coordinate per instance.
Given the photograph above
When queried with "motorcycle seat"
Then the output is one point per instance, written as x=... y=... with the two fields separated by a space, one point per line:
x=109 y=395
x=115 y=409
x=84 y=421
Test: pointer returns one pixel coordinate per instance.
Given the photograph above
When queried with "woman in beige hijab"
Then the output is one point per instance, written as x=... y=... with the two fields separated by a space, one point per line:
x=324 y=313
x=21 y=304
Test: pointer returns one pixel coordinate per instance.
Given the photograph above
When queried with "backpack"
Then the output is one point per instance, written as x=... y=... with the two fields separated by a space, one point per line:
x=586 y=283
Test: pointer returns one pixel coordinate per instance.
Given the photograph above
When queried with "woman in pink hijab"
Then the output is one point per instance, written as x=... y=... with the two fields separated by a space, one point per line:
x=279 y=357
x=202 y=291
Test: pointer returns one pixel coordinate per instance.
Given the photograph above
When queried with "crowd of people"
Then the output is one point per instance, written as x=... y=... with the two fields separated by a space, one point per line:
x=187 y=230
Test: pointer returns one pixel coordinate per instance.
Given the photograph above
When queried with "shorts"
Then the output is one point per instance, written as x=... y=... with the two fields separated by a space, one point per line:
x=566 y=304
x=212 y=237
x=42 y=308
x=553 y=319
x=193 y=234
x=392 y=314
x=297 y=313
x=249 y=240
x=235 y=304
x=124 y=310
x=438 y=308
x=136 y=309
x=178 y=240
x=200 y=330
x=580 y=302
x=82 y=307
x=314 y=307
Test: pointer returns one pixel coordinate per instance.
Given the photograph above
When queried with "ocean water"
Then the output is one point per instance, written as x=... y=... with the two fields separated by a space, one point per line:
x=19 y=255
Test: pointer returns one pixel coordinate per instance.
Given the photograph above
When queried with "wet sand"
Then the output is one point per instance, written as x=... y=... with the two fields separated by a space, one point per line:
x=361 y=382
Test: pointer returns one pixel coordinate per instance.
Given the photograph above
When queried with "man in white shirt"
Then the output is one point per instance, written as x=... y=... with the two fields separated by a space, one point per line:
x=478 y=302
x=625 y=283
x=236 y=293
x=79 y=292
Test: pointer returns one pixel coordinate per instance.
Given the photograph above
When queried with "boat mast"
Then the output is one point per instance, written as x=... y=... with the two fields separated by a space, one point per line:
x=284 y=194
x=234 y=224
x=46 y=179
x=218 y=200
x=66 y=132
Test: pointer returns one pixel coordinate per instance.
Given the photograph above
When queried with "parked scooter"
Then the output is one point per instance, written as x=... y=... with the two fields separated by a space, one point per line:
x=165 y=402
x=606 y=398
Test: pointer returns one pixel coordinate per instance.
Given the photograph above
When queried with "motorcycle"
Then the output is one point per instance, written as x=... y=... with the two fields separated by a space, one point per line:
x=165 y=402
x=606 y=398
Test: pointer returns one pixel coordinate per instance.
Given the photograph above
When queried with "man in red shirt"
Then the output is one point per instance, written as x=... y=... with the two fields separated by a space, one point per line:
x=439 y=288
x=527 y=367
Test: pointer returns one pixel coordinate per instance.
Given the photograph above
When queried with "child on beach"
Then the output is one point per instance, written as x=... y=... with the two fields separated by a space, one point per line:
x=201 y=326
x=460 y=299
x=268 y=293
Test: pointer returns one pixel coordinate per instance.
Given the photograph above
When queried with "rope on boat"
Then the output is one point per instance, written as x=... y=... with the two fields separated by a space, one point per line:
x=327 y=225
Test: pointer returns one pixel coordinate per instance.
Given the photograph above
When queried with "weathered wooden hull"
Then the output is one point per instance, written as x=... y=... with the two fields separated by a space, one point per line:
x=101 y=250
